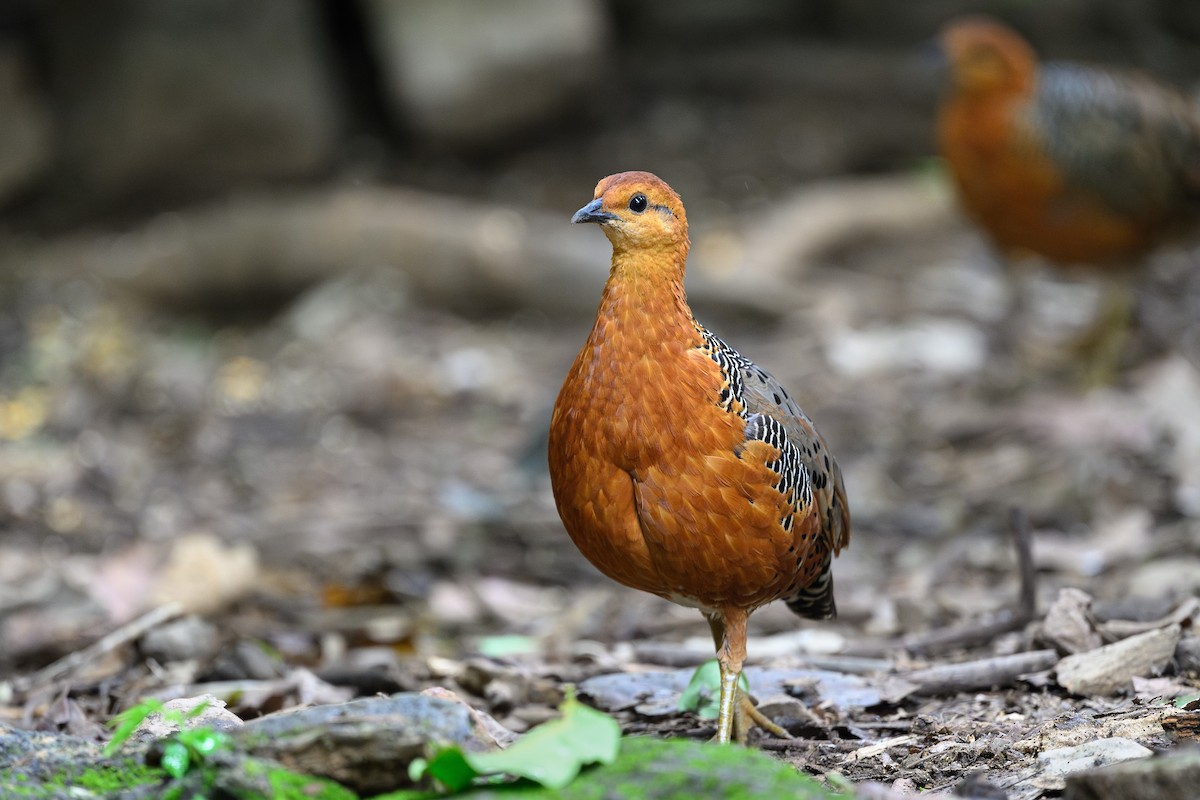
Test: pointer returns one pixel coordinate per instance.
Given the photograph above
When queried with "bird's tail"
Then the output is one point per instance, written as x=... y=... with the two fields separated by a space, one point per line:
x=816 y=600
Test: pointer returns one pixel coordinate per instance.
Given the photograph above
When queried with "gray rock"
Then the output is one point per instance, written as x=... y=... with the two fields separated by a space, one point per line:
x=365 y=744
x=186 y=638
x=1171 y=778
x=1064 y=761
x=214 y=715
x=188 y=95
x=1175 y=577
x=25 y=132
x=1187 y=654
x=654 y=694
x=468 y=73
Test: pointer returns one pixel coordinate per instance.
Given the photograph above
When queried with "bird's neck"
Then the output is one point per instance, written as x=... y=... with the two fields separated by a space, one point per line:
x=978 y=121
x=644 y=297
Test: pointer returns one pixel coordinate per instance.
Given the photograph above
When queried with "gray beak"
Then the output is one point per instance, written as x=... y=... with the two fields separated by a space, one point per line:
x=592 y=213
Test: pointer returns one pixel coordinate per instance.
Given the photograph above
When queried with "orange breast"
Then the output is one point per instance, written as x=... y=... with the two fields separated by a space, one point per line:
x=654 y=482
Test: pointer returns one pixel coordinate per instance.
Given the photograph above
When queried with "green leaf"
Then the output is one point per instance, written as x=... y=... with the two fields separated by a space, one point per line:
x=1187 y=701
x=703 y=693
x=700 y=697
x=176 y=759
x=197 y=709
x=551 y=754
x=508 y=645
x=127 y=722
x=674 y=769
x=451 y=768
x=204 y=741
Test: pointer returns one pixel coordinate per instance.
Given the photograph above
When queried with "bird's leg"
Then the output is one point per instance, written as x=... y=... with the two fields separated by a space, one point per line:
x=1102 y=345
x=736 y=713
x=729 y=635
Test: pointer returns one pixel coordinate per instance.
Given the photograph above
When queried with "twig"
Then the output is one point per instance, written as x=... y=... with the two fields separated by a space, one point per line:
x=783 y=745
x=982 y=674
x=976 y=633
x=668 y=654
x=1116 y=629
x=875 y=749
x=852 y=665
x=73 y=661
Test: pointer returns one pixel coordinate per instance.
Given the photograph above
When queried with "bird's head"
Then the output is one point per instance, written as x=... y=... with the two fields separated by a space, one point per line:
x=986 y=56
x=638 y=211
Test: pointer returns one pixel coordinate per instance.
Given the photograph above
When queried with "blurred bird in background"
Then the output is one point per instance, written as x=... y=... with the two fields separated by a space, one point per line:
x=1078 y=164
x=680 y=467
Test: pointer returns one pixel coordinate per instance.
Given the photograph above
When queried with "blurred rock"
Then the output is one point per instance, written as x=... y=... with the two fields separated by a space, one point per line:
x=214 y=715
x=485 y=723
x=203 y=574
x=247 y=660
x=466 y=73
x=175 y=97
x=187 y=638
x=942 y=346
x=365 y=744
x=1170 y=393
x=1173 y=577
x=1187 y=654
x=1173 y=777
x=25 y=134
x=1057 y=764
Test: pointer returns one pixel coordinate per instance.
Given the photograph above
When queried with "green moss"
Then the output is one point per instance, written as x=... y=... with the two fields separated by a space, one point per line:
x=293 y=786
x=101 y=780
x=275 y=783
x=110 y=779
x=668 y=770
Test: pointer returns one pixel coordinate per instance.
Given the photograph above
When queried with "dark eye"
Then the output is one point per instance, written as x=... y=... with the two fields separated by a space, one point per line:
x=638 y=203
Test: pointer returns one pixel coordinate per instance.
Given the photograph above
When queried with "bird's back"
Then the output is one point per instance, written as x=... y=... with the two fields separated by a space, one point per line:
x=1125 y=139
x=770 y=411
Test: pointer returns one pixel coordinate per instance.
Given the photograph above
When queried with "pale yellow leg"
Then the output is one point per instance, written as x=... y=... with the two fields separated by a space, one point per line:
x=736 y=715
x=725 y=713
x=1102 y=345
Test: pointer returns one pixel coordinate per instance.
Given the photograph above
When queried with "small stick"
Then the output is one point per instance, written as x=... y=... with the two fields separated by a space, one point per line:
x=875 y=749
x=976 y=634
x=1023 y=541
x=670 y=655
x=783 y=745
x=73 y=661
x=982 y=674
x=852 y=665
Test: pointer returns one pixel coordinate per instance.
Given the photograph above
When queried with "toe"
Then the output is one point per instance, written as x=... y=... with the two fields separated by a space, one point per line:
x=747 y=716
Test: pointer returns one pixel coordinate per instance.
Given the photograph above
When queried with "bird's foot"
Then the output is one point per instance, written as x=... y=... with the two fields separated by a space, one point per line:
x=747 y=716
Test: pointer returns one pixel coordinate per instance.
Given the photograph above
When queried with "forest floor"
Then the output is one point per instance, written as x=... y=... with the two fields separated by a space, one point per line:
x=348 y=495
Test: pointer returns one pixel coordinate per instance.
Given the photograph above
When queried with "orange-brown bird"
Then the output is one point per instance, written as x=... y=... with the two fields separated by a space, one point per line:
x=1078 y=164
x=680 y=467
